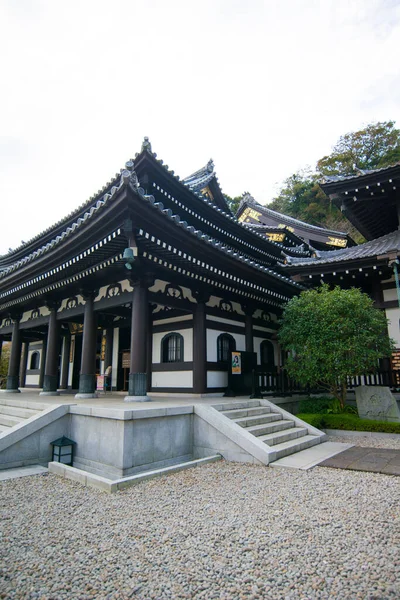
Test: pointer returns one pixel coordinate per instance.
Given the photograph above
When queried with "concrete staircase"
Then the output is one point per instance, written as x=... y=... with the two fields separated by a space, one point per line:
x=13 y=412
x=280 y=431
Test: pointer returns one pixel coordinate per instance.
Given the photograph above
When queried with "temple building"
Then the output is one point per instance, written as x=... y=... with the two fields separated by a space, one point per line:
x=152 y=280
x=371 y=202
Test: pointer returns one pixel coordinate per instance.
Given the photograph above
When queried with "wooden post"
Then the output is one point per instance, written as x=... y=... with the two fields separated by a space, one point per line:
x=87 y=377
x=139 y=333
x=50 y=380
x=15 y=357
x=199 y=348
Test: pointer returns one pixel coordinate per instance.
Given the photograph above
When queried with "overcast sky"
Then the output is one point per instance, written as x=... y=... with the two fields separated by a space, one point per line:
x=262 y=87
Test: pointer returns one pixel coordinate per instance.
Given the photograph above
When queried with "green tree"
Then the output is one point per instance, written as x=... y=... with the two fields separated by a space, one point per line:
x=332 y=335
x=375 y=146
x=5 y=356
x=233 y=203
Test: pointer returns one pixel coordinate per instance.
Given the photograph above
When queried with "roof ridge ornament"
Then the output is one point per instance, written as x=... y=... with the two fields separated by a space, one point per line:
x=146 y=145
x=128 y=175
x=210 y=165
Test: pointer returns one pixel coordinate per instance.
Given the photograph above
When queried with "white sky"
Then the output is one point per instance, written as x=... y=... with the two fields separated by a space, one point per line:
x=263 y=87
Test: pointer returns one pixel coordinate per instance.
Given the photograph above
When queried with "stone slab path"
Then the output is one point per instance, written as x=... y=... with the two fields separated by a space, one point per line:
x=372 y=460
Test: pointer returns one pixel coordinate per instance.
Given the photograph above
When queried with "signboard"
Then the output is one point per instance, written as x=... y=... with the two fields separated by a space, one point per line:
x=100 y=383
x=103 y=348
x=276 y=237
x=333 y=241
x=126 y=360
x=236 y=363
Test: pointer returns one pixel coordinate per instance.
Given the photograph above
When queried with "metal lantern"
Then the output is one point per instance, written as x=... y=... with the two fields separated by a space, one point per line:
x=129 y=257
x=63 y=449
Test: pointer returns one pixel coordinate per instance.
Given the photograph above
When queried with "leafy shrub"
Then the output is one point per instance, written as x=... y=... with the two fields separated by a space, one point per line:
x=313 y=419
x=319 y=405
x=348 y=422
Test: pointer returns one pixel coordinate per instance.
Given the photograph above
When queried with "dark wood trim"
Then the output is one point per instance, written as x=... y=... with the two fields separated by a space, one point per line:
x=68 y=315
x=32 y=385
x=216 y=389
x=32 y=323
x=104 y=303
x=267 y=335
x=390 y=285
x=32 y=372
x=224 y=314
x=172 y=366
x=225 y=327
x=268 y=324
x=388 y=304
x=217 y=366
x=171 y=327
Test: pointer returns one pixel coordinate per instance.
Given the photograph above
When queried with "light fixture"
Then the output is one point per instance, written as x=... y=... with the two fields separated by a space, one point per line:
x=63 y=450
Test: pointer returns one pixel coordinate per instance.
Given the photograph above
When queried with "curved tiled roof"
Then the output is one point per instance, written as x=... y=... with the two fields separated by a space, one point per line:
x=383 y=245
x=360 y=173
x=291 y=221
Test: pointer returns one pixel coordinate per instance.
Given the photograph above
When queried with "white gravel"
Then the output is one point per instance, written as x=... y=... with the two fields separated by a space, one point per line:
x=220 y=531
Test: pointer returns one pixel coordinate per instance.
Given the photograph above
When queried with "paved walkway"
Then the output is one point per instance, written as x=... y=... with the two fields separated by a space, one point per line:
x=373 y=460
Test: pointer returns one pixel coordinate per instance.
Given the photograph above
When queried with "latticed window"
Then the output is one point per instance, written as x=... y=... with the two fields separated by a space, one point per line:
x=172 y=348
x=225 y=345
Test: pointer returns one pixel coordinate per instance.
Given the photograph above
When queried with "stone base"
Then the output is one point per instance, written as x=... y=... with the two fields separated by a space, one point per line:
x=49 y=393
x=50 y=384
x=137 y=399
x=137 y=385
x=10 y=391
x=80 y=396
x=87 y=384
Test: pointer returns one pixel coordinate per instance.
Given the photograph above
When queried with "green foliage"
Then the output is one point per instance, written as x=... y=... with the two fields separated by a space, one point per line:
x=312 y=419
x=332 y=335
x=375 y=146
x=349 y=423
x=315 y=405
x=5 y=355
x=233 y=203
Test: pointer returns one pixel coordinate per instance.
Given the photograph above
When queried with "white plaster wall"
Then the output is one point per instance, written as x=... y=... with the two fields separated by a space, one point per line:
x=44 y=311
x=172 y=379
x=115 y=357
x=212 y=335
x=393 y=314
x=173 y=320
x=227 y=321
x=64 y=302
x=389 y=295
x=32 y=380
x=187 y=335
x=217 y=379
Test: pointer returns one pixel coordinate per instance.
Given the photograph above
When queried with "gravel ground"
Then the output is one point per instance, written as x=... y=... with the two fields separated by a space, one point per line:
x=224 y=530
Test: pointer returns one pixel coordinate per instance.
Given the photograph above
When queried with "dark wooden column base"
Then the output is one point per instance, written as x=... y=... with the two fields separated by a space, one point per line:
x=87 y=383
x=12 y=384
x=50 y=386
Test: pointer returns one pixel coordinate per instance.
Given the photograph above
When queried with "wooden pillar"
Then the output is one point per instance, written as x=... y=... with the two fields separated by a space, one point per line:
x=248 y=332
x=87 y=377
x=139 y=333
x=15 y=357
x=199 y=349
x=42 y=361
x=23 y=364
x=109 y=347
x=65 y=362
x=149 y=347
x=50 y=380
x=1 y=346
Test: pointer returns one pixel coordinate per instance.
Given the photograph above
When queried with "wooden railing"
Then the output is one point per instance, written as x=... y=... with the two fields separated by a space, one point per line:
x=279 y=384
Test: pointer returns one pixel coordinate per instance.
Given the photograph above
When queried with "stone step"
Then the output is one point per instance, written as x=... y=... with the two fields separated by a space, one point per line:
x=17 y=411
x=267 y=428
x=3 y=428
x=258 y=420
x=9 y=420
x=272 y=439
x=22 y=403
x=293 y=446
x=236 y=404
x=246 y=412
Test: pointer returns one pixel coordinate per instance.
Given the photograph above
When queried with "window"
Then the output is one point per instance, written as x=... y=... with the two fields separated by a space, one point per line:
x=172 y=348
x=225 y=345
x=267 y=354
x=35 y=361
